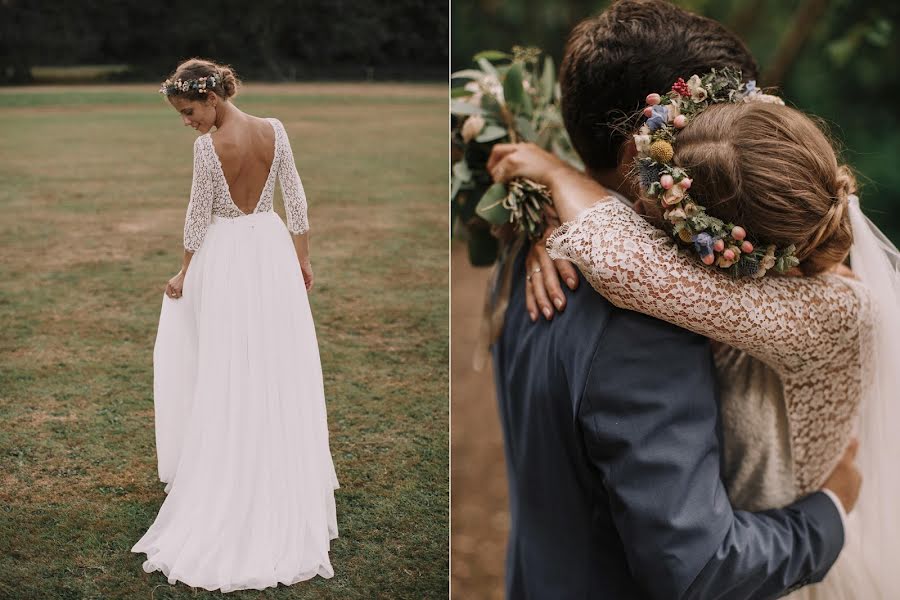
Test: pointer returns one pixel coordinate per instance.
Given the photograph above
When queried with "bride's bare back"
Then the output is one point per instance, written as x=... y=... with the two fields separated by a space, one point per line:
x=246 y=151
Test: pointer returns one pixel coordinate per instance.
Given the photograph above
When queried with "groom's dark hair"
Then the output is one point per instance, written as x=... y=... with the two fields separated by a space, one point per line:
x=634 y=47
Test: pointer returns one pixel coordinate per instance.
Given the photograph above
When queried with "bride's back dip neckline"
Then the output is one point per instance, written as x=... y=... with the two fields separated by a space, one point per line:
x=265 y=187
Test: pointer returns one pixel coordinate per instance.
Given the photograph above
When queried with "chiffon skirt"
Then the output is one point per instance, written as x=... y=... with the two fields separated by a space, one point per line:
x=241 y=429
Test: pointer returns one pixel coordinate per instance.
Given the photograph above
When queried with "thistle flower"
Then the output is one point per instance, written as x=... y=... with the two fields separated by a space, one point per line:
x=648 y=174
x=749 y=267
x=703 y=244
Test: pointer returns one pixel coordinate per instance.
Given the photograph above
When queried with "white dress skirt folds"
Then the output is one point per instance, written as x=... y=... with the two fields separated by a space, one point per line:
x=241 y=428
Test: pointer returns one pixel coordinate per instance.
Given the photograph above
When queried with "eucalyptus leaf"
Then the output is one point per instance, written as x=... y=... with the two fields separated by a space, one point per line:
x=460 y=107
x=467 y=74
x=513 y=92
x=491 y=133
x=493 y=55
x=487 y=67
x=491 y=107
x=490 y=207
x=455 y=186
x=525 y=129
x=548 y=80
x=545 y=139
x=461 y=171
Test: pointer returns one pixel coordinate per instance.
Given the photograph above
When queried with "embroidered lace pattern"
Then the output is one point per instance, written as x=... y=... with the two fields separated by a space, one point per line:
x=210 y=195
x=815 y=332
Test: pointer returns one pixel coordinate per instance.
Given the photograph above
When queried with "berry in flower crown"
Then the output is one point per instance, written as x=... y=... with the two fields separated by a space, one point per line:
x=175 y=86
x=725 y=245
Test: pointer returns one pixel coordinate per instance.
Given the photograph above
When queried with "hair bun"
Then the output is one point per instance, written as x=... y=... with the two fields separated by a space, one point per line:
x=845 y=183
x=230 y=82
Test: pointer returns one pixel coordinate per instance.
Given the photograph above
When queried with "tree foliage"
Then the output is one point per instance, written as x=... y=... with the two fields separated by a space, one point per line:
x=838 y=59
x=269 y=39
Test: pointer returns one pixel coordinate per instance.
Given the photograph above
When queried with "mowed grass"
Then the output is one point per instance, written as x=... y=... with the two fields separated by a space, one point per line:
x=94 y=183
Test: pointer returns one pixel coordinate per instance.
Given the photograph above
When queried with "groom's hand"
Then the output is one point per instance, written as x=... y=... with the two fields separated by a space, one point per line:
x=542 y=289
x=845 y=480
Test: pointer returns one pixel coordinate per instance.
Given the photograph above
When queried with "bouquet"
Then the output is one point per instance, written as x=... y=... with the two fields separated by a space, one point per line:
x=510 y=97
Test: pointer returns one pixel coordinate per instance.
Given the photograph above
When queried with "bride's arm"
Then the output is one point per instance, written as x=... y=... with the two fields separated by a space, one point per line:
x=295 y=207
x=199 y=210
x=292 y=190
x=780 y=320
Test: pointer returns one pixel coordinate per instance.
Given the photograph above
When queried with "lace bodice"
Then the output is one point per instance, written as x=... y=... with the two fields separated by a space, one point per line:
x=812 y=331
x=210 y=194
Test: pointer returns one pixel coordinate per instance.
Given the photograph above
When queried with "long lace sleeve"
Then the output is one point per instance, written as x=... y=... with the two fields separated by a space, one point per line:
x=292 y=189
x=808 y=329
x=639 y=267
x=199 y=210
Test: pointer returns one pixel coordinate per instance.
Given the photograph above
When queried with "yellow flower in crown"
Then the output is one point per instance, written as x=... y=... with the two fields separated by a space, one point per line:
x=661 y=151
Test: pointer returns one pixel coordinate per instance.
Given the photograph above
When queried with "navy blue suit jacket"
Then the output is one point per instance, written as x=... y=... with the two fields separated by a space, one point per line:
x=610 y=423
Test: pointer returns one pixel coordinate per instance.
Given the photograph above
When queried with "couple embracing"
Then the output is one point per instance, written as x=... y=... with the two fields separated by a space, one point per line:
x=714 y=418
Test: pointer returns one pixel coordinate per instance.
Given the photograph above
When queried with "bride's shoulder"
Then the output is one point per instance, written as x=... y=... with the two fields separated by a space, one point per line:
x=848 y=297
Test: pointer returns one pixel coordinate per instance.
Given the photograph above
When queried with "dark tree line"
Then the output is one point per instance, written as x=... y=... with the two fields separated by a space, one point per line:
x=263 y=39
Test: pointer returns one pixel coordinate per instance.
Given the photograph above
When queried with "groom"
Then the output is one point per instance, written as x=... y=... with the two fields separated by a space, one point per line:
x=610 y=417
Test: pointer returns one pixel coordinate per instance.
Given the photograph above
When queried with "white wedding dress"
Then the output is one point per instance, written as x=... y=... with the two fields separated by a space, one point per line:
x=792 y=377
x=241 y=430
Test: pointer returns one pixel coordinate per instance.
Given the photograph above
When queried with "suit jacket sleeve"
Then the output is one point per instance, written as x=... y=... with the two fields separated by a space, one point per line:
x=649 y=417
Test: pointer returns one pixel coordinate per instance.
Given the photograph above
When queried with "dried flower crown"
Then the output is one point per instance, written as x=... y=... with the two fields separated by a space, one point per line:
x=716 y=242
x=201 y=84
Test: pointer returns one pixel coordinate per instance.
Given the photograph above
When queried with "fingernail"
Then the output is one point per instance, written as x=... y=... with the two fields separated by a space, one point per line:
x=533 y=317
x=558 y=302
x=547 y=312
x=571 y=282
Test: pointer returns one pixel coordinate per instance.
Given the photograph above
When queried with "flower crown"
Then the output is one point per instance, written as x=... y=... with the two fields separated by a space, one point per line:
x=715 y=241
x=202 y=85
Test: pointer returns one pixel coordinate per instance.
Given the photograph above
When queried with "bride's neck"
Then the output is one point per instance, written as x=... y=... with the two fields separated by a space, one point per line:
x=227 y=112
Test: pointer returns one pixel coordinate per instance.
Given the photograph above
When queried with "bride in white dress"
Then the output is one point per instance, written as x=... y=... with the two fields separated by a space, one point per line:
x=241 y=429
x=806 y=360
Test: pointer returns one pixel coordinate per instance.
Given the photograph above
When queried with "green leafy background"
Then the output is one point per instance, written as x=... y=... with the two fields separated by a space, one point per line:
x=846 y=70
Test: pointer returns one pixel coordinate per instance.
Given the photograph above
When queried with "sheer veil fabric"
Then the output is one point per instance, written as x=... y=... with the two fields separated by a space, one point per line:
x=876 y=261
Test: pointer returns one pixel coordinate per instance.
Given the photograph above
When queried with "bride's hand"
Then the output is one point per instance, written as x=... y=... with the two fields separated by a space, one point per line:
x=542 y=287
x=509 y=161
x=175 y=285
x=306 y=269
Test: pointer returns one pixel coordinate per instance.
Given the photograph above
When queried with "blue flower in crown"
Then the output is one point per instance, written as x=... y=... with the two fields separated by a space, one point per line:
x=750 y=87
x=703 y=242
x=659 y=117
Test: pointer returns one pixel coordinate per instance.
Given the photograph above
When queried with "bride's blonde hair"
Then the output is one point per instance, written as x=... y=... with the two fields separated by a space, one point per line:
x=771 y=169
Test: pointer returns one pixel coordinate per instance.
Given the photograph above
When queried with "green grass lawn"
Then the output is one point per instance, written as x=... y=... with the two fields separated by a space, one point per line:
x=94 y=183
